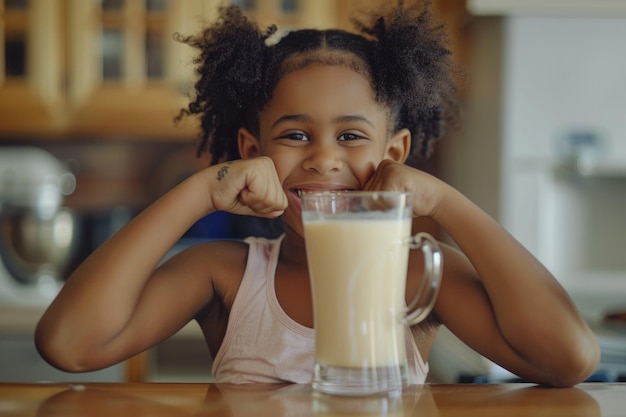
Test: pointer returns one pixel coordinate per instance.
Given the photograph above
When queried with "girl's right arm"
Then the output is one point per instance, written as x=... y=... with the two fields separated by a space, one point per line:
x=115 y=304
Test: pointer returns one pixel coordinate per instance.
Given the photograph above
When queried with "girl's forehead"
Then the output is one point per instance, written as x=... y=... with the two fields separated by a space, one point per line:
x=319 y=82
x=324 y=57
x=326 y=94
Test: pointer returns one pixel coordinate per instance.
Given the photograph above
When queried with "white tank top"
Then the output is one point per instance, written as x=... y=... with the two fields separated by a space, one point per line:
x=262 y=343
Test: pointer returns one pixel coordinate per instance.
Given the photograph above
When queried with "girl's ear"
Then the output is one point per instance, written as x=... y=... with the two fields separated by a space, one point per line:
x=249 y=145
x=399 y=146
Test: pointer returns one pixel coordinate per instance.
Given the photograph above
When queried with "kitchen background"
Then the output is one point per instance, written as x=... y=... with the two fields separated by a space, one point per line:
x=89 y=91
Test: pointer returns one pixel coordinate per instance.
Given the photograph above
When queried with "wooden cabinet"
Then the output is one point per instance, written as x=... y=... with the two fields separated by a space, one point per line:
x=126 y=74
x=109 y=68
x=30 y=73
x=77 y=69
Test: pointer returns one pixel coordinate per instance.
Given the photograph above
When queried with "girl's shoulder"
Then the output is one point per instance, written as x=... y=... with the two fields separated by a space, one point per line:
x=220 y=256
x=213 y=253
x=221 y=261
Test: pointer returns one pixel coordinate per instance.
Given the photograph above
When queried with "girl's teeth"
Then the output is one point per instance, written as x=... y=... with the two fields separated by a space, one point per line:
x=299 y=193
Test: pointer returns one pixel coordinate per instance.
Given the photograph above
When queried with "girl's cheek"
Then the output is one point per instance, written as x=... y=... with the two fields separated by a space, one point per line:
x=367 y=169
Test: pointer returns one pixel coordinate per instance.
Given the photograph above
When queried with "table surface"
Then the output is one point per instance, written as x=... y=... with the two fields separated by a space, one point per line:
x=152 y=399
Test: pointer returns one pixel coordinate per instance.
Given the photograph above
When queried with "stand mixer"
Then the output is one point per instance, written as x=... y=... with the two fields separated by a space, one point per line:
x=37 y=233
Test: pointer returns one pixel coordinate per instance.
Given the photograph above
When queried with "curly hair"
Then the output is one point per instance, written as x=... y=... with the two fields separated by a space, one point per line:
x=400 y=50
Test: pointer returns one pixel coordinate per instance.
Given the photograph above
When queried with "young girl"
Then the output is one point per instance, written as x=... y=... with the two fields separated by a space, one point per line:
x=315 y=110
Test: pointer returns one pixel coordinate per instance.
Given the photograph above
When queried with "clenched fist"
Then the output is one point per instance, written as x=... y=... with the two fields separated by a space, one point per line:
x=249 y=187
x=392 y=176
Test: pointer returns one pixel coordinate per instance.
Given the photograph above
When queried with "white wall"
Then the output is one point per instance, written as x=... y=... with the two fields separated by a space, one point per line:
x=532 y=81
x=563 y=74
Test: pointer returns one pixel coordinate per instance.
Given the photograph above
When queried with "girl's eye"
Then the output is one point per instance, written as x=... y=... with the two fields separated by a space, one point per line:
x=349 y=137
x=299 y=136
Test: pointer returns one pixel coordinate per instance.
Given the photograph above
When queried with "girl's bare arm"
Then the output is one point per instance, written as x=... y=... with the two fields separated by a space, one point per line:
x=495 y=295
x=115 y=304
x=505 y=304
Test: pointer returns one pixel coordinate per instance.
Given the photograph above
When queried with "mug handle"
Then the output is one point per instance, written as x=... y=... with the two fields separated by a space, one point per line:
x=431 y=279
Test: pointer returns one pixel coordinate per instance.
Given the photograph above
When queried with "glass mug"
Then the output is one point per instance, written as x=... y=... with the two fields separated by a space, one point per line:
x=357 y=246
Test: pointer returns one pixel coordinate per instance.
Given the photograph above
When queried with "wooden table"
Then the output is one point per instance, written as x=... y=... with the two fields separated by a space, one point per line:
x=120 y=400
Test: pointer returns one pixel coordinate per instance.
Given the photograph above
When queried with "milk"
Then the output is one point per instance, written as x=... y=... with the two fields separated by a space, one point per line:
x=358 y=273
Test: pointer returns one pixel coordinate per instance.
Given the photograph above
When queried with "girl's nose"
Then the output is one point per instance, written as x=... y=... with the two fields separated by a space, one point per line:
x=323 y=159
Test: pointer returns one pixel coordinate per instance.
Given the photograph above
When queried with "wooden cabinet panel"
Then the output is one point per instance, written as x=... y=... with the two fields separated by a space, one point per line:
x=78 y=82
x=111 y=69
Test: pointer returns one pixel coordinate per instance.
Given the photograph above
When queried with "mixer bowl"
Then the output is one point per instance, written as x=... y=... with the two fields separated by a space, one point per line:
x=37 y=246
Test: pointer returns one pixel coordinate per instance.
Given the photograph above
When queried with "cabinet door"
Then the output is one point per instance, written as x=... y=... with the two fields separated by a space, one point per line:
x=112 y=69
x=96 y=68
x=127 y=76
x=31 y=67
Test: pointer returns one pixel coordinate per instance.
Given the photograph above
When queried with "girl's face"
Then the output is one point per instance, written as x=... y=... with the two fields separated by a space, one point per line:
x=324 y=131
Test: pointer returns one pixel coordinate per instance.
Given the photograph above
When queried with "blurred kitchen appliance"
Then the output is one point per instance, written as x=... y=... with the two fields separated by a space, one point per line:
x=37 y=233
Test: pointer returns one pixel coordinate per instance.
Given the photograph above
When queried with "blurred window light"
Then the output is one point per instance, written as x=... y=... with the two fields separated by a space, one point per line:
x=16 y=4
x=154 y=54
x=112 y=5
x=245 y=4
x=156 y=5
x=290 y=6
x=15 y=55
x=112 y=52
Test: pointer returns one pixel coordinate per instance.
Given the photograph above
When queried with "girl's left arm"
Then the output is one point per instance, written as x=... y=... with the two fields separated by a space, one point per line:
x=495 y=295
x=504 y=302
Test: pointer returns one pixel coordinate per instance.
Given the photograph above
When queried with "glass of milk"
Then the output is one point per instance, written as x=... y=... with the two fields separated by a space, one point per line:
x=357 y=246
